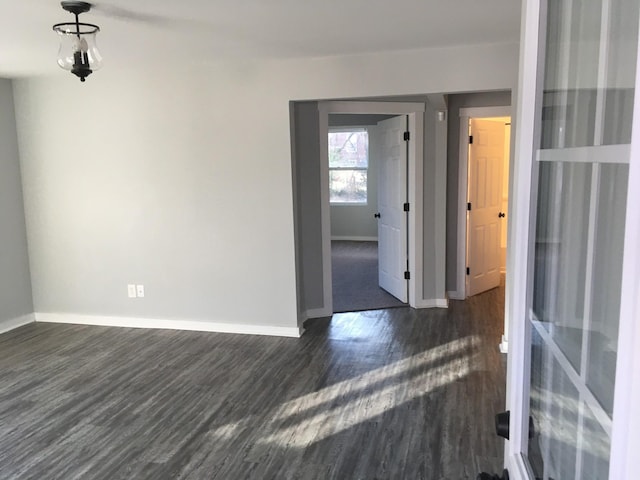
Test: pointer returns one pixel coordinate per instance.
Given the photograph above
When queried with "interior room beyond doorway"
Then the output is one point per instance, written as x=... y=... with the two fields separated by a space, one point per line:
x=354 y=174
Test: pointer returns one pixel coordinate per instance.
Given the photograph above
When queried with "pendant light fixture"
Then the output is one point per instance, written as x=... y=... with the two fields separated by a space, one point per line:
x=78 y=51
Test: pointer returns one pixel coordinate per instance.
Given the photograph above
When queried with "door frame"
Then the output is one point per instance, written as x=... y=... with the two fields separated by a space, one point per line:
x=415 y=113
x=463 y=182
x=465 y=115
x=625 y=436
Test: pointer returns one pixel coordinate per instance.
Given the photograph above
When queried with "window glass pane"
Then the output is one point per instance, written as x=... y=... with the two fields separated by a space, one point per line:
x=561 y=250
x=589 y=73
x=348 y=186
x=571 y=73
x=620 y=78
x=596 y=448
x=554 y=407
x=349 y=149
x=607 y=280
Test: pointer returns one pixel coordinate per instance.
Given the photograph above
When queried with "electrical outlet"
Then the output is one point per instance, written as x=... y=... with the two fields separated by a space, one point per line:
x=140 y=290
x=131 y=290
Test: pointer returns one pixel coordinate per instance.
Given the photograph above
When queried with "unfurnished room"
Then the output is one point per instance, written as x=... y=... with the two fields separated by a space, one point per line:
x=317 y=240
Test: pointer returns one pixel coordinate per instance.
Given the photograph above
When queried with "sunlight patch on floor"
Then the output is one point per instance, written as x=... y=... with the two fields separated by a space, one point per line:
x=343 y=405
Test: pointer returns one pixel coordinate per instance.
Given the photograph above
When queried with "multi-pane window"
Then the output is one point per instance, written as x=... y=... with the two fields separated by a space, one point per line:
x=348 y=164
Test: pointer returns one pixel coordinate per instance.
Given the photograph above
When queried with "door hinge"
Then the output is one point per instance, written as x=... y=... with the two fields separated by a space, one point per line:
x=470 y=139
x=406 y=207
x=407 y=135
x=468 y=271
x=407 y=276
x=469 y=206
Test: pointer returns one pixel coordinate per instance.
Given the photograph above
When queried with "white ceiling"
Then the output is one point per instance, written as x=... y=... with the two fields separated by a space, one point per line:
x=181 y=31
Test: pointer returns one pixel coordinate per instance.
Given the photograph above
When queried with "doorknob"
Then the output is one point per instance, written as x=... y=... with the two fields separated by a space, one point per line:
x=501 y=215
x=376 y=215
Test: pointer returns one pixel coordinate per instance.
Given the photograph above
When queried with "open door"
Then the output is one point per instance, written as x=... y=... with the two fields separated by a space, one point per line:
x=575 y=247
x=392 y=217
x=485 y=218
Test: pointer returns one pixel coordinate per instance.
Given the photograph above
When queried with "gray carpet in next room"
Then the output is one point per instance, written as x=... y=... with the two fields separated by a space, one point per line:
x=355 y=278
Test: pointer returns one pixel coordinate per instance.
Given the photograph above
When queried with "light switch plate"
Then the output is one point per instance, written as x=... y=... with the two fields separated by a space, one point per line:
x=131 y=290
x=140 y=290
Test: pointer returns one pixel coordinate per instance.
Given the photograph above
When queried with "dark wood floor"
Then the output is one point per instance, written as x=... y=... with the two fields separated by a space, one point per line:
x=389 y=394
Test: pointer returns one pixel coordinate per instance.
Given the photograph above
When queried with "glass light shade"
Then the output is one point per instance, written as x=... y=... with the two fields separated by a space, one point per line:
x=78 y=50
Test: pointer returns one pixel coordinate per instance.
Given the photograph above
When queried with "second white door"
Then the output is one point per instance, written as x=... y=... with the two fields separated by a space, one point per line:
x=486 y=157
x=392 y=196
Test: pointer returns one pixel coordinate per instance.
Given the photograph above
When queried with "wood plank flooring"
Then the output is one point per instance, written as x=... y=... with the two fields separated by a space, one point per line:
x=388 y=394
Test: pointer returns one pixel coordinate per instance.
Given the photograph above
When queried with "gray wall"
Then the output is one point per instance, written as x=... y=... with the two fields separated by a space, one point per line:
x=308 y=206
x=455 y=103
x=309 y=230
x=15 y=284
x=166 y=187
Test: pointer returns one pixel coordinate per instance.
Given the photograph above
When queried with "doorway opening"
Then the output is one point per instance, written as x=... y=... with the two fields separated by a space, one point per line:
x=487 y=202
x=483 y=193
x=363 y=252
x=472 y=244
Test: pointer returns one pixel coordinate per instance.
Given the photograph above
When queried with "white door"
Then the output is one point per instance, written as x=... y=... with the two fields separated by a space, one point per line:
x=570 y=375
x=486 y=159
x=392 y=196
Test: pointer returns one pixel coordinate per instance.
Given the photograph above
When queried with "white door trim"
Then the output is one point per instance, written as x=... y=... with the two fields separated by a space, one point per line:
x=463 y=159
x=415 y=112
x=520 y=226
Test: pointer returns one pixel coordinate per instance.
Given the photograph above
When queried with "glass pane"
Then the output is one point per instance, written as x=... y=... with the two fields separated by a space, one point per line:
x=596 y=448
x=589 y=73
x=348 y=149
x=554 y=408
x=571 y=73
x=560 y=253
x=607 y=279
x=348 y=186
x=620 y=78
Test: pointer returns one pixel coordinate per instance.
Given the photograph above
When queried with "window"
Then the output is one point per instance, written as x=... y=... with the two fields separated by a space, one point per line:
x=348 y=164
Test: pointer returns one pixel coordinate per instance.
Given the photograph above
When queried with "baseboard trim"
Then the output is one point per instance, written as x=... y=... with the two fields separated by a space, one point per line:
x=504 y=345
x=13 y=323
x=455 y=295
x=153 y=323
x=355 y=239
x=433 y=303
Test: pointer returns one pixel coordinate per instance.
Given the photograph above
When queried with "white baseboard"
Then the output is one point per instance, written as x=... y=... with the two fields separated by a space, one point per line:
x=455 y=295
x=135 y=322
x=504 y=345
x=13 y=323
x=355 y=239
x=433 y=303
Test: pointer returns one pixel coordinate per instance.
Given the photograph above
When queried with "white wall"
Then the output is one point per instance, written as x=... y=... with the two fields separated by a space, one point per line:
x=180 y=179
x=16 y=303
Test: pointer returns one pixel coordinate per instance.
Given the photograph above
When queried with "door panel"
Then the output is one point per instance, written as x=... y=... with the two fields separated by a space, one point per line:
x=486 y=159
x=392 y=194
x=581 y=172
